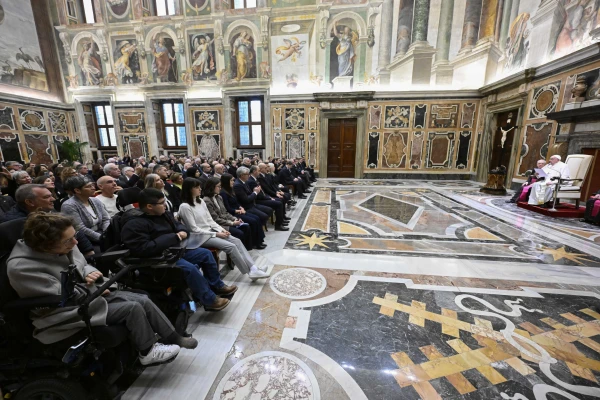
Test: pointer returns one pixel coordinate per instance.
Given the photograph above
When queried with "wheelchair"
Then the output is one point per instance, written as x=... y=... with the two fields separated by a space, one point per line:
x=87 y=365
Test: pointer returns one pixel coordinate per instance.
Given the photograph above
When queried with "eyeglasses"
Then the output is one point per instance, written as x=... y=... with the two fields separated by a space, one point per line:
x=68 y=241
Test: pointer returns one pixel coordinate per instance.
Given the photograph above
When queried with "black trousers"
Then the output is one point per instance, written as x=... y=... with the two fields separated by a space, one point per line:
x=277 y=207
x=263 y=212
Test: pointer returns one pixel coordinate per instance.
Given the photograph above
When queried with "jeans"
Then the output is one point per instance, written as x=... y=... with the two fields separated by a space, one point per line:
x=200 y=284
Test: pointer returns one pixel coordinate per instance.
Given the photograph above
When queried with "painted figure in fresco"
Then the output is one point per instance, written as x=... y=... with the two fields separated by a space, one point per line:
x=291 y=49
x=517 y=47
x=163 y=64
x=204 y=61
x=90 y=64
x=123 y=67
x=244 y=57
x=345 y=50
x=404 y=29
x=574 y=33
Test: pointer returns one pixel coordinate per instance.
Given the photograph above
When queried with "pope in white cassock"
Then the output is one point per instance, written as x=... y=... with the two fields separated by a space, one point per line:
x=541 y=192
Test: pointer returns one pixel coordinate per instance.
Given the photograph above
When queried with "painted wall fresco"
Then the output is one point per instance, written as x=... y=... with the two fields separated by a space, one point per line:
x=290 y=63
x=243 y=56
x=574 y=19
x=21 y=62
x=423 y=135
x=291 y=3
x=204 y=66
x=194 y=8
x=34 y=134
x=164 y=60
x=126 y=61
x=89 y=62
x=119 y=10
x=343 y=49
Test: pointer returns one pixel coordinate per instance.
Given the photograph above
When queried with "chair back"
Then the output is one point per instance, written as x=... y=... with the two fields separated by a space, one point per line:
x=579 y=165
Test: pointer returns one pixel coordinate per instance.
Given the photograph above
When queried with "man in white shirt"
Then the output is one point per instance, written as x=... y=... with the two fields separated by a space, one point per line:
x=108 y=186
x=541 y=192
x=219 y=170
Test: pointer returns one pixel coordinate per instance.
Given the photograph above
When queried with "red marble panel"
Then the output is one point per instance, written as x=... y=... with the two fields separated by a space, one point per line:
x=38 y=149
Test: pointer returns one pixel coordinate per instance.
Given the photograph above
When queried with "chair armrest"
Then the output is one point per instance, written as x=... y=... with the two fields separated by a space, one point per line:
x=111 y=256
x=569 y=180
x=23 y=305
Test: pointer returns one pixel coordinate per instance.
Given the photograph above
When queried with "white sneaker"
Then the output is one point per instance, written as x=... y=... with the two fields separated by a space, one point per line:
x=160 y=354
x=263 y=268
x=258 y=275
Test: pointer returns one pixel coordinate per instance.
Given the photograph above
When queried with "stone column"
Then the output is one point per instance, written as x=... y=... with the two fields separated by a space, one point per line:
x=514 y=11
x=506 y=11
x=405 y=23
x=420 y=21
x=444 y=31
x=487 y=27
x=442 y=72
x=385 y=34
x=471 y=25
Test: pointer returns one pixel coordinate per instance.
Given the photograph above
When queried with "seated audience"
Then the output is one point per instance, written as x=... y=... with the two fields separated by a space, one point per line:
x=275 y=203
x=218 y=212
x=151 y=230
x=108 y=186
x=286 y=178
x=174 y=192
x=48 y=183
x=114 y=172
x=233 y=207
x=87 y=212
x=592 y=208
x=542 y=192
x=247 y=197
x=522 y=193
x=177 y=180
x=15 y=180
x=197 y=218
x=219 y=170
x=34 y=269
x=206 y=173
x=268 y=185
x=154 y=181
x=192 y=172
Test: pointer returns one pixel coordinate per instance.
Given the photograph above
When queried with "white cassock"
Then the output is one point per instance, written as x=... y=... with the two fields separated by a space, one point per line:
x=541 y=192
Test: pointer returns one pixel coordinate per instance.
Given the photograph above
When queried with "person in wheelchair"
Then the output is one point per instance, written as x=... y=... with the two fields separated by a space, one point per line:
x=34 y=269
x=151 y=230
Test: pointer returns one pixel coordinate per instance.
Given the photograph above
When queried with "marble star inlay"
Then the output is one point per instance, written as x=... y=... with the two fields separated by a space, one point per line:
x=559 y=254
x=313 y=241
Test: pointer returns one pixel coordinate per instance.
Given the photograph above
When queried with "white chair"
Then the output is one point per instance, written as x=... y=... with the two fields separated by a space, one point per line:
x=579 y=165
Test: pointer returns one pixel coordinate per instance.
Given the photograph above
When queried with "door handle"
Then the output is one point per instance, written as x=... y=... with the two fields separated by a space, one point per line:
x=340 y=157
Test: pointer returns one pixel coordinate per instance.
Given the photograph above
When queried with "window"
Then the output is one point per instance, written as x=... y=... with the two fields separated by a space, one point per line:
x=71 y=9
x=250 y=122
x=164 y=7
x=236 y=4
x=173 y=122
x=105 y=127
x=88 y=11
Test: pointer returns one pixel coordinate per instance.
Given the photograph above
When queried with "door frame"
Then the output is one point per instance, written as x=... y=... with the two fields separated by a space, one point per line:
x=361 y=118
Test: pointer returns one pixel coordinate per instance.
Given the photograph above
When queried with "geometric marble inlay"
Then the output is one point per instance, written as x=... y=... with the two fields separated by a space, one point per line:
x=396 y=210
x=269 y=375
x=298 y=283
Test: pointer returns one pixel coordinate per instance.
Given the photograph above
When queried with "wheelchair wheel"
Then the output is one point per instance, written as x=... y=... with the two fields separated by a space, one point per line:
x=181 y=321
x=51 y=389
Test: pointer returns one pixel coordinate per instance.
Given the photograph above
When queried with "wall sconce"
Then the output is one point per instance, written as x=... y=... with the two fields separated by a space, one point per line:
x=371 y=36
x=322 y=41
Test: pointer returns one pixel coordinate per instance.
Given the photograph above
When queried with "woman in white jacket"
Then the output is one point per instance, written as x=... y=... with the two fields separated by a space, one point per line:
x=197 y=218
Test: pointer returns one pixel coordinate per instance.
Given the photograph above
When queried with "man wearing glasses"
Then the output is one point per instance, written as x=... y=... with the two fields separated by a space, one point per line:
x=151 y=230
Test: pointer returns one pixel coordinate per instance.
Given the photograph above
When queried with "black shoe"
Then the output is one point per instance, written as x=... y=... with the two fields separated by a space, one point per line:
x=282 y=228
x=287 y=219
x=302 y=197
x=308 y=191
x=510 y=201
x=260 y=246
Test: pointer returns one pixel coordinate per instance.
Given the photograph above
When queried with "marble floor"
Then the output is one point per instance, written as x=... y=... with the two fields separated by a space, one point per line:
x=403 y=290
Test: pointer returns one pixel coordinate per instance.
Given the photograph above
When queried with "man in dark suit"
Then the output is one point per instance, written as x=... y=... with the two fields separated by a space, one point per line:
x=268 y=185
x=277 y=204
x=114 y=172
x=286 y=178
x=247 y=198
x=206 y=174
x=299 y=173
x=305 y=167
x=173 y=191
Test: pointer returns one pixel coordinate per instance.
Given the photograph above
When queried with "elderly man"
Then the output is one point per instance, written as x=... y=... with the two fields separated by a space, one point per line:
x=276 y=203
x=206 y=174
x=142 y=161
x=271 y=188
x=114 y=172
x=541 y=192
x=219 y=170
x=31 y=198
x=522 y=193
x=108 y=187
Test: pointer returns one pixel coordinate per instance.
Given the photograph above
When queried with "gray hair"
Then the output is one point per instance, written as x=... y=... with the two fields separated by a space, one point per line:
x=111 y=160
x=242 y=171
x=108 y=167
x=149 y=180
x=19 y=175
x=127 y=169
x=25 y=192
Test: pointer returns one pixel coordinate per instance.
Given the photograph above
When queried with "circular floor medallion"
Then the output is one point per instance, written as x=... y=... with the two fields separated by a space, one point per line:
x=298 y=283
x=269 y=375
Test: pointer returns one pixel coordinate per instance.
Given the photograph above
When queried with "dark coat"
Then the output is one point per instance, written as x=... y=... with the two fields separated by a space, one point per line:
x=267 y=184
x=174 y=195
x=286 y=177
x=230 y=202
x=244 y=195
x=149 y=235
x=128 y=183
